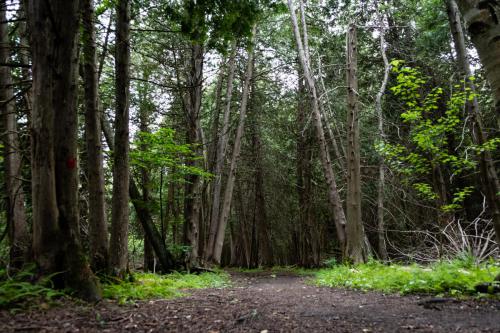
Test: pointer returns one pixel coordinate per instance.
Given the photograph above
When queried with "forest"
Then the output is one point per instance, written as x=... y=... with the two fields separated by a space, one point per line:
x=206 y=144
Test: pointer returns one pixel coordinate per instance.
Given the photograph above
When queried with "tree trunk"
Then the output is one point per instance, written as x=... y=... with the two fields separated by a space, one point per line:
x=219 y=158
x=121 y=173
x=56 y=234
x=228 y=192
x=165 y=258
x=483 y=26
x=333 y=195
x=192 y=104
x=382 y=247
x=19 y=237
x=97 y=210
x=356 y=248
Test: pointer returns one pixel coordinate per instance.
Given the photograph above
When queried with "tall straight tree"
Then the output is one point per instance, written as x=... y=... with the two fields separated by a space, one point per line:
x=97 y=209
x=121 y=174
x=16 y=215
x=333 y=195
x=228 y=192
x=56 y=233
x=356 y=248
x=484 y=28
x=219 y=157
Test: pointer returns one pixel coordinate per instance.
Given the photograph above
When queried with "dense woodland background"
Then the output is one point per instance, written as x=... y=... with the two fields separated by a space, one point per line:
x=165 y=135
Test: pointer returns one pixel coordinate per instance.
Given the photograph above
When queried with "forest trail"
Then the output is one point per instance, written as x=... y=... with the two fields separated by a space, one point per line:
x=265 y=302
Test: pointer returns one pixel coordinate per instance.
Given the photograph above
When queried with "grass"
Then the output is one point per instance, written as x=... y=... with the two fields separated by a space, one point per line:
x=454 y=278
x=153 y=286
x=276 y=270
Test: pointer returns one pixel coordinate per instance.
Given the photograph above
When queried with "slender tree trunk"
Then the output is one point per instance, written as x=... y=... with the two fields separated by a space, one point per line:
x=219 y=158
x=16 y=215
x=482 y=23
x=382 y=247
x=121 y=173
x=165 y=258
x=192 y=102
x=56 y=234
x=228 y=192
x=355 y=232
x=97 y=210
x=333 y=195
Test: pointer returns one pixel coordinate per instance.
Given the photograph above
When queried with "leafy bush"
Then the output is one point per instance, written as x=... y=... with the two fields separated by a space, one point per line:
x=457 y=277
x=18 y=292
x=148 y=286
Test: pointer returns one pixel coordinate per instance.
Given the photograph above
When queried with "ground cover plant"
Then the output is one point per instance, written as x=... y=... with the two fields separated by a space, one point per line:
x=456 y=277
x=154 y=286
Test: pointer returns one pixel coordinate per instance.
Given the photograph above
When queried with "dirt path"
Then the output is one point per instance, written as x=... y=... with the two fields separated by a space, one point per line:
x=260 y=303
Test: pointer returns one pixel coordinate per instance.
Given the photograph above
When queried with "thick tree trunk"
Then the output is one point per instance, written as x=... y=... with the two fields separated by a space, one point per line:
x=220 y=157
x=97 y=210
x=56 y=234
x=333 y=195
x=356 y=249
x=16 y=215
x=192 y=103
x=121 y=173
x=484 y=28
x=228 y=192
x=382 y=247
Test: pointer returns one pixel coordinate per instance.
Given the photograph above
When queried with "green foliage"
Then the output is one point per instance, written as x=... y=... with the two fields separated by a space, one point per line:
x=433 y=120
x=457 y=277
x=163 y=152
x=153 y=286
x=19 y=292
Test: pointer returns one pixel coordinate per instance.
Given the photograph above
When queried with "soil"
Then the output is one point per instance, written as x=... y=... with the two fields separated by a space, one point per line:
x=265 y=303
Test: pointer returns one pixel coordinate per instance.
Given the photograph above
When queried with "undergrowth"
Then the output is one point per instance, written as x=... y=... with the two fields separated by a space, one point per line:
x=454 y=278
x=153 y=286
x=20 y=292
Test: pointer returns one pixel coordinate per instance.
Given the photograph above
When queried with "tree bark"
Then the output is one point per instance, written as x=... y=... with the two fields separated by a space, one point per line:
x=228 y=192
x=165 y=258
x=483 y=26
x=382 y=247
x=56 y=233
x=121 y=173
x=333 y=195
x=355 y=233
x=99 y=244
x=219 y=158
x=19 y=237
x=192 y=104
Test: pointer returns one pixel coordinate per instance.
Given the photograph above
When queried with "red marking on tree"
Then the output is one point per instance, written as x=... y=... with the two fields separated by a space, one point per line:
x=71 y=163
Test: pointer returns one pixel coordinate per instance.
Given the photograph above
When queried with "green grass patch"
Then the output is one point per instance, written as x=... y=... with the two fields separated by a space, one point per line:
x=454 y=278
x=154 y=286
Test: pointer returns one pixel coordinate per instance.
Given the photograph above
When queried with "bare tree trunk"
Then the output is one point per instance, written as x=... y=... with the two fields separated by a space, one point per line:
x=121 y=174
x=165 y=258
x=16 y=214
x=355 y=232
x=333 y=195
x=484 y=28
x=192 y=102
x=99 y=244
x=382 y=247
x=56 y=234
x=228 y=192
x=219 y=158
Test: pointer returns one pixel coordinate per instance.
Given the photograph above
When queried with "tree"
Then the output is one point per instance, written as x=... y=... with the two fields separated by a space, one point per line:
x=97 y=209
x=56 y=233
x=228 y=192
x=483 y=27
x=19 y=237
x=121 y=174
